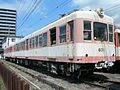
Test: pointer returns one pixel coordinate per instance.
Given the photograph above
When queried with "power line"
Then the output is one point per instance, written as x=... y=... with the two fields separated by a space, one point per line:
x=54 y=9
x=30 y=9
x=31 y=12
x=20 y=5
x=113 y=7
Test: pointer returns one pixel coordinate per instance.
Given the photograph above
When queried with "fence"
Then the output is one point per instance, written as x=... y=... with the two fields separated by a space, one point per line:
x=11 y=80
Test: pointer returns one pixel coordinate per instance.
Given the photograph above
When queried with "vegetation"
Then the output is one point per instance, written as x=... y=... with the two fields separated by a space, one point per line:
x=2 y=87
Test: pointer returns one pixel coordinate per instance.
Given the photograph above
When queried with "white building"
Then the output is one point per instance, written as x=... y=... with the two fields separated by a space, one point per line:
x=8 y=41
x=7 y=24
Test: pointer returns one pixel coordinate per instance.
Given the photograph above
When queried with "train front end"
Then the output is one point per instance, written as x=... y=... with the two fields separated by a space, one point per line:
x=96 y=43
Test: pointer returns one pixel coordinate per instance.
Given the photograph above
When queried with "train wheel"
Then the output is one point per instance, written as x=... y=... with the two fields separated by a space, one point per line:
x=76 y=75
x=60 y=70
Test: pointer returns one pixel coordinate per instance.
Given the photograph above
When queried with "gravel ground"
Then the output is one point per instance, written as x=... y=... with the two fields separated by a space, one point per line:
x=112 y=77
x=67 y=83
x=40 y=85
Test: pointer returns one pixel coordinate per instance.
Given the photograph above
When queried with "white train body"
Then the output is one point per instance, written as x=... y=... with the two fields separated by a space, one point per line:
x=89 y=39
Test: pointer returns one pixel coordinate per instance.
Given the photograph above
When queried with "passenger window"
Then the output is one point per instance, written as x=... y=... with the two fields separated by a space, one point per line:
x=36 y=41
x=13 y=40
x=87 y=30
x=40 y=40
x=45 y=39
x=71 y=25
x=53 y=36
x=27 y=44
x=22 y=45
x=63 y=34
x=118 y=38
x=110 y=33
x=32 y=42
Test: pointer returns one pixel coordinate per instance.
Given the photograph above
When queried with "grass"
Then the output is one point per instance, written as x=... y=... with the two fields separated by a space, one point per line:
x=2 y=87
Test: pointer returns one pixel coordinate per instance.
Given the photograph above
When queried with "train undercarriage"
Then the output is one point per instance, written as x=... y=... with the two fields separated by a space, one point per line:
x=73 y=70
x=116 y=66
x=111 y=67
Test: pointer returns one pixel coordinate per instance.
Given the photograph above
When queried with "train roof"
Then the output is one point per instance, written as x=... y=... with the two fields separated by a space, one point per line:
x=92 y=15
x=117 y=30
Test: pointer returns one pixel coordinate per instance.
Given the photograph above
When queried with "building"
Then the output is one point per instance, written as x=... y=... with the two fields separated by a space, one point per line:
x=8 y=41
x=7 y=24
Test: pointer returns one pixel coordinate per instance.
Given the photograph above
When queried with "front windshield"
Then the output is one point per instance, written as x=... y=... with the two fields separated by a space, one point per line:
x=100 y=31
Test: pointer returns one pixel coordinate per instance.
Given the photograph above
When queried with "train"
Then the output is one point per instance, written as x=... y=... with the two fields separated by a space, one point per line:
x=72 y=45
x=116 y=66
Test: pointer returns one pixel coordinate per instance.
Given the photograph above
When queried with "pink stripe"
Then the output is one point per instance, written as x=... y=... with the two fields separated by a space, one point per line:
x=95 y=59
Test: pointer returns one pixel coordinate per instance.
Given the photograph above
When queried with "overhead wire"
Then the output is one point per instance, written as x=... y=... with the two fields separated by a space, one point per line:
x=61 y=4
x=31 y=12
x=113 y=6
x=20 y=6
x=50 y=12
x=27 y=10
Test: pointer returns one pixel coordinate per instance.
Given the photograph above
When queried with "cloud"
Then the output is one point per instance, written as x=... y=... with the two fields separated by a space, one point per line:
x=23 y=6
x=111 y=7
x=8 y=5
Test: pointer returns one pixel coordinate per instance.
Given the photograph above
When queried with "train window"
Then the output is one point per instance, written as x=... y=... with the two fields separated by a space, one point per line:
x=36 y=41
x=110 y=33
x=13 y=40
x=32 y=43
x=27 y=44
x=118 y=38
x=40 y=40
x=63 y=34
x=87 y=30
x=45 y=39
x=71 y=25
x=53 y=36
x=100 y=31
x=23 y=45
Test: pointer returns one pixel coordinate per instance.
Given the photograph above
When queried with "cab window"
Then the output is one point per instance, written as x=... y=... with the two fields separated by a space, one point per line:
x=100 y=31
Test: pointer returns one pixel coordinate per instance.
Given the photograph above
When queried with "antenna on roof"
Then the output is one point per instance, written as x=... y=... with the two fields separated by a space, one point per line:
x=62 y=15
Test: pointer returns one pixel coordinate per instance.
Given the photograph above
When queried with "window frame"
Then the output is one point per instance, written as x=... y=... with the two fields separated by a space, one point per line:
x=111 y=33
x=53 y=41
x=87 y=30
x=64 y=34
x=118 y=39
x=104 y=32
x=36 y=41
x=40 y=40
x=71 y=30
x=27 y=44
x=44 y=40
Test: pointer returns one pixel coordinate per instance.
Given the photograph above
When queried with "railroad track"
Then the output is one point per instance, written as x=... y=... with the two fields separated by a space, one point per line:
x=37 y=76
x=102 y=83
x=99 y=84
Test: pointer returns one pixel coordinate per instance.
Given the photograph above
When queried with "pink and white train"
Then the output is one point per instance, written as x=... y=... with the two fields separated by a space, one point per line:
x=71 y=45
x=116 y=66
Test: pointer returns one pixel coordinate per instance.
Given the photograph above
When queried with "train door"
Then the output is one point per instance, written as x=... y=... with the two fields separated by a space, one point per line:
x=70 y=38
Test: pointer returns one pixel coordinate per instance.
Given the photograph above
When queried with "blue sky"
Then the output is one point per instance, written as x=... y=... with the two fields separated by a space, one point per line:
x=48 y=11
